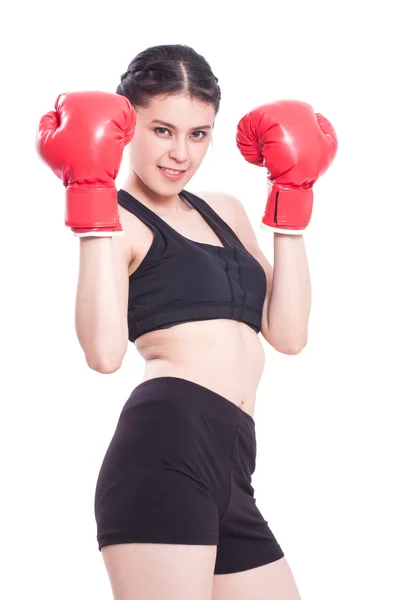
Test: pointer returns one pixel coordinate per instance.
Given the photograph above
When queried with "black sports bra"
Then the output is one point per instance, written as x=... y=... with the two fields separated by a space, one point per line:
x=180 y=280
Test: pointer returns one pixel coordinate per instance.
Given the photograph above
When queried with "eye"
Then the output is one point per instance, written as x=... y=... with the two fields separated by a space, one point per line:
x=162 y=128
x=197 y=137
x=203 y=132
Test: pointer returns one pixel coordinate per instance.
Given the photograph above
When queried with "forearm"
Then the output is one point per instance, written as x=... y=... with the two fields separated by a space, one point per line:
x=289 y=305
x=98 y=318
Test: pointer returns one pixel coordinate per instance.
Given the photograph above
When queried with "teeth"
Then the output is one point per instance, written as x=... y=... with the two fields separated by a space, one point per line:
x=171 y=172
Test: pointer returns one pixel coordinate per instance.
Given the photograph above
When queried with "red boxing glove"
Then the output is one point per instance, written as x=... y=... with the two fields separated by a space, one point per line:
x=82 y=141
x=296 y=146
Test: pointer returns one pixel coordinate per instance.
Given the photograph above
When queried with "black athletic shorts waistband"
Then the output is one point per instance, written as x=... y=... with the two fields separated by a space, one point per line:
x=203 y=398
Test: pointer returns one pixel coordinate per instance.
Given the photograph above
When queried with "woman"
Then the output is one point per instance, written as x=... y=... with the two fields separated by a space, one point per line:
x=174 y=505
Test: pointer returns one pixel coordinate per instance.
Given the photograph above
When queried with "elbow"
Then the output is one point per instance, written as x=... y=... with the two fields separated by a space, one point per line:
x=104 y=366
x=292 y=351
x=289 y=349
x=295 y=348
x=106 y=362
x=284 y=346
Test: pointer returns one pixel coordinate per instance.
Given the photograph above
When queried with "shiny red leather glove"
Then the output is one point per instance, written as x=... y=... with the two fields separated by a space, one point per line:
x=297 y=146
x=82 y=141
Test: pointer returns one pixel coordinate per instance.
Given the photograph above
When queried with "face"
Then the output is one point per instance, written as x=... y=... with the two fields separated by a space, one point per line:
x=179 y=142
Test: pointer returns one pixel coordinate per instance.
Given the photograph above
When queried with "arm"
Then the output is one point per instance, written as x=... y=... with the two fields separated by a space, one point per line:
x=102 y=301
x=87 y=160
x=288 y=299
x=296 y=146
x=290 y=303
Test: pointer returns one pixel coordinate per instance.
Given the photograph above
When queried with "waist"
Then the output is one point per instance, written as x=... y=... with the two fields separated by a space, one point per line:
x=225 y=356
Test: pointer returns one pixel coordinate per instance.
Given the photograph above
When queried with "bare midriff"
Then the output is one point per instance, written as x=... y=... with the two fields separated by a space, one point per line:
x=223 y=355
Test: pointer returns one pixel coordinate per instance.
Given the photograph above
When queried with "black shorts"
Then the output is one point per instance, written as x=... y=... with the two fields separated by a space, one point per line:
x=178 y=471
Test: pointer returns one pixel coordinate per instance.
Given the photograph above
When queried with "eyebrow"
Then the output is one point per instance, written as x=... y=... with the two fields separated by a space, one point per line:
x=173 y=126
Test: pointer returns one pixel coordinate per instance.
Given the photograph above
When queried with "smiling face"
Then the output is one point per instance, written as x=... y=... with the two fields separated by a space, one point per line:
x=173 y=132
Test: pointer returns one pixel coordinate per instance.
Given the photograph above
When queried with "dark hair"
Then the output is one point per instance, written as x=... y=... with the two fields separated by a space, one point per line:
x=169 y=69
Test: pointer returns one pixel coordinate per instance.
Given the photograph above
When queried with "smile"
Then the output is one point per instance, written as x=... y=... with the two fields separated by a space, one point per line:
x=171 y=173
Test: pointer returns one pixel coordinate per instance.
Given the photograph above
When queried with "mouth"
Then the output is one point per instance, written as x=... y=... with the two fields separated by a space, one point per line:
x=172 y=171
x=173 y=174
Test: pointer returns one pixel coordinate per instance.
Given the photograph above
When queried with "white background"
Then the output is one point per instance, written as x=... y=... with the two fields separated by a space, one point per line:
x=327 y=419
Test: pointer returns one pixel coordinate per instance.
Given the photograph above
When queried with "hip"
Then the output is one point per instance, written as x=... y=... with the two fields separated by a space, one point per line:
x=175 y=439
x=237 y=386
x=172 y=415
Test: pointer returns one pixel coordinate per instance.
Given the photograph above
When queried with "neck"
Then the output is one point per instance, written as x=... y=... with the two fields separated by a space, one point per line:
x=162 y=205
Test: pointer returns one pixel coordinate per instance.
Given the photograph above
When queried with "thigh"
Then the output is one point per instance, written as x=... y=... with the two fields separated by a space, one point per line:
x=246 y=540
x=154 y=571
x=273 y=581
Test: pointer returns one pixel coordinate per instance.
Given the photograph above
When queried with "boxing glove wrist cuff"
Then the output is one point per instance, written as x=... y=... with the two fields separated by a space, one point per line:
x=110 y=232
x=287 y=210
x=90 y=208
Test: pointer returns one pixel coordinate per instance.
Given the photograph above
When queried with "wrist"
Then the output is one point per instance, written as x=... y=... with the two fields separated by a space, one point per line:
x=89 y=240
x=281 y=235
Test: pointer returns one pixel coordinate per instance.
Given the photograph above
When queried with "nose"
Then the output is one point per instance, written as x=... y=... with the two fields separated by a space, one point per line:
x=179 y=150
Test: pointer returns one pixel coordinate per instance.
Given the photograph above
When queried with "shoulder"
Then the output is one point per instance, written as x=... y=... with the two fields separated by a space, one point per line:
x=224 y=204
x=218 y=198
x=233 y=211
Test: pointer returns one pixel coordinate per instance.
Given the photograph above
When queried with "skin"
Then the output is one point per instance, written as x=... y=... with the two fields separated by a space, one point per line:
x=222 y=354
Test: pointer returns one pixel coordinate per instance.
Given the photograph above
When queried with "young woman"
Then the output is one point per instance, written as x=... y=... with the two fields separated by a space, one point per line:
x=181 y=275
